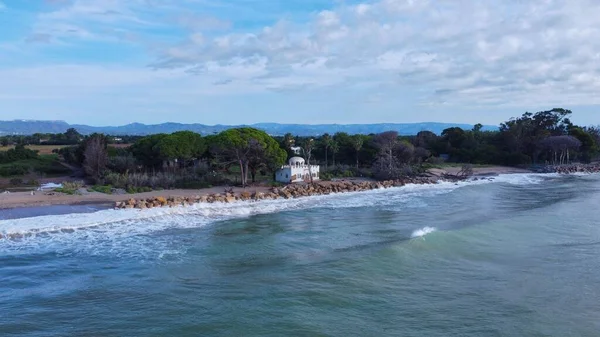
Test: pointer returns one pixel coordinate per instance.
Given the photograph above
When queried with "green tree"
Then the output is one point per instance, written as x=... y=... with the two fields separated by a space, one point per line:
x=244 y=146
x=147 y=152
x=72 y=136
x=357 y=143
x=326 y=142
x=181 y=146
x=588 y=143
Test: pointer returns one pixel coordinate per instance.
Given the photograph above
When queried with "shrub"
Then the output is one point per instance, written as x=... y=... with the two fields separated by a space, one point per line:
x=72 y=185
x=13 y=170
x=64 y=190
x=16 y=181
x=106 y=189
x=33 y=182
x=115 y=179
x=122 y=164
x=133 y=190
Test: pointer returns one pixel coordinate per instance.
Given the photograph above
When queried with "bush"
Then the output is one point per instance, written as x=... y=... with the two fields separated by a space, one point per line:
x=33 y=182
x=17 y=154
x=13 y=170
x=65 y=191
x=16 y=181
x=143 y=189
x=72 y=185
x=122 y=164
x=106 y=189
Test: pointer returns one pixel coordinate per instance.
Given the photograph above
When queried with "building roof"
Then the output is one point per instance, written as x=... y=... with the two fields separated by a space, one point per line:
x=296 y=161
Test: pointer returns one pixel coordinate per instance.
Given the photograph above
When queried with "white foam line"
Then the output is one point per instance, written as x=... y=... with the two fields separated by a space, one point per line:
x=419 y=233
x=140 y=221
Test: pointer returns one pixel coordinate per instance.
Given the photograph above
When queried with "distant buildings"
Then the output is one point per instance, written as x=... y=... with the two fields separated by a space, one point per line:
x=297 y=171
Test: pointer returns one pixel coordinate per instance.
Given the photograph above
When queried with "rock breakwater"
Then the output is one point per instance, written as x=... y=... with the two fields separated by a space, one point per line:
x=571 y=168
x=287 y=192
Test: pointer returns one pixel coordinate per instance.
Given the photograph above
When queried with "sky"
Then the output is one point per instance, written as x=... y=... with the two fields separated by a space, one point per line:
x=113 y=62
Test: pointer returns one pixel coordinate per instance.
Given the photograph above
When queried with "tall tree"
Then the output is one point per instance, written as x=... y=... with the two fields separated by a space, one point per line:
x=181 y=146
x=326 y=142
x=357 y=143
x=243 y=145
x=307 y=148
x=335 y=148
x=387 y=142
x=96 y=156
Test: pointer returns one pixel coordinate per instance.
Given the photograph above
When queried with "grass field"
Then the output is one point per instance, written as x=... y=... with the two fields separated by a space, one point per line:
x=47 y=149
x=42 y=149
x=48 y=164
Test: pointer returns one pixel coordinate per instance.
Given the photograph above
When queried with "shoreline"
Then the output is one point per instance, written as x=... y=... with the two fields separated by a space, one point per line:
x=166 y=198
x=42 y=199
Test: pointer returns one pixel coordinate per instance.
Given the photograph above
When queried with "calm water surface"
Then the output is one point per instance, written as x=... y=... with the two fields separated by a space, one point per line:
x=517 y=256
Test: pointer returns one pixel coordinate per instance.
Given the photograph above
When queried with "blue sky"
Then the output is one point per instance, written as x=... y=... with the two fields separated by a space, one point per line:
x=112 y=62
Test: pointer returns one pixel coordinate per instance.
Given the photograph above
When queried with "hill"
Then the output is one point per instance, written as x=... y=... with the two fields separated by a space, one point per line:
x=28 y=127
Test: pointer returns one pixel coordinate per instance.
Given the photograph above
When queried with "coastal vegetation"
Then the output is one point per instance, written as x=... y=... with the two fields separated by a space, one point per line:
x=244 y=156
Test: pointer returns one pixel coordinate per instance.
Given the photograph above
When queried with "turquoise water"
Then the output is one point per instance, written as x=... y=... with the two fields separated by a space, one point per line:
x=517 y=256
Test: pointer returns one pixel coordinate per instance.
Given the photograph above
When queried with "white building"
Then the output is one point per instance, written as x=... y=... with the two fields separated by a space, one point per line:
x=297 y=171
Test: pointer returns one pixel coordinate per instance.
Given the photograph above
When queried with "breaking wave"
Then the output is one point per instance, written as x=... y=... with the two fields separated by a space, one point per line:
x=422 y=232
x=107 y=228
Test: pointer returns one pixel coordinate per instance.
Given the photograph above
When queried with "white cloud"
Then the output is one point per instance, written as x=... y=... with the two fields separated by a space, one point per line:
x=453 y=53
x=517 y=52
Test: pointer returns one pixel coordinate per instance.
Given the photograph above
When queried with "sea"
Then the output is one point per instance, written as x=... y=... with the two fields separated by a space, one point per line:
x=510 y=255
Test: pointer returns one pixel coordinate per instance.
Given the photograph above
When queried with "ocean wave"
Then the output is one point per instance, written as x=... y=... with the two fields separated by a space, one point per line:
x=422 y=232
x=121 y=224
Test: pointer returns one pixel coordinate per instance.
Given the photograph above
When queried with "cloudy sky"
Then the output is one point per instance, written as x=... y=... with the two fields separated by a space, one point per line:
x=111 y=62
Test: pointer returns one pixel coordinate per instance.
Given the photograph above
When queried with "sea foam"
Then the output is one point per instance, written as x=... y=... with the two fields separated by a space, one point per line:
x=126 y=224
x=422 y=232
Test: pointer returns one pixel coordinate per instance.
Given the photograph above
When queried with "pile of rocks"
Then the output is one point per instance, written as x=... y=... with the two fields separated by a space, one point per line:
x=287 y=192
x=573 y=168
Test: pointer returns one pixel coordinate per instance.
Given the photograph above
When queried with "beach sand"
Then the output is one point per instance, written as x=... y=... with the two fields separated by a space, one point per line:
x=25 y=199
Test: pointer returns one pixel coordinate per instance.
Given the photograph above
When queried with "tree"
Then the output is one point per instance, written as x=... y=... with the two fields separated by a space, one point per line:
x=326 y=142
x=357 y=143
x=4 y=141
x=246 y=145
x=181 y=146
x=522 y=135
x=335 y=148
x=386 y=142
x=560 y=147
x=72 y=136
x=425 y=139
x=147 y=151
x=307 y=148
x=588 y=143
x=95 y=156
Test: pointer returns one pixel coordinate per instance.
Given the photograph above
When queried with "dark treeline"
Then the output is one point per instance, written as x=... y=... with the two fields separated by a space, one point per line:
x=245 y=155
x=546 y=137
x=70 y=137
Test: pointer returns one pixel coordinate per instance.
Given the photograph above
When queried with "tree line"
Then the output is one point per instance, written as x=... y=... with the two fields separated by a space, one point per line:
x=240 y=155
x=70 y=137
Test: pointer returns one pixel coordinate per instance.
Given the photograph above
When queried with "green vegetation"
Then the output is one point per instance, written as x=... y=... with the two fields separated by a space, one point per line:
x=70 y=187
x=246 y=155
x=41 y=165
x=106 y=189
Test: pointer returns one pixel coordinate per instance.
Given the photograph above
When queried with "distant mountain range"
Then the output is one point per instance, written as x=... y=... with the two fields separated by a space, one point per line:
x=28 y=127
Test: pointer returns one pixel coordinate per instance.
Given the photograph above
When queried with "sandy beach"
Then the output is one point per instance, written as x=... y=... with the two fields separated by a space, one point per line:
x=25 y=199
